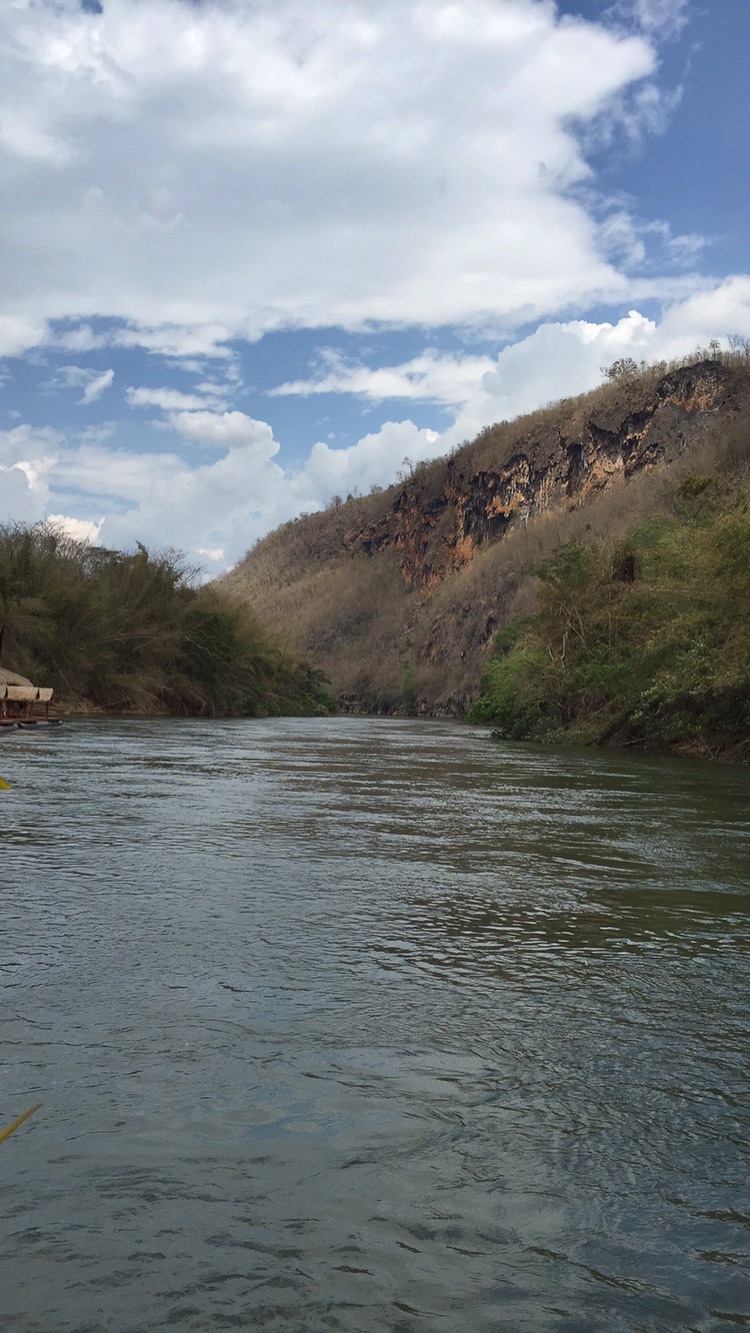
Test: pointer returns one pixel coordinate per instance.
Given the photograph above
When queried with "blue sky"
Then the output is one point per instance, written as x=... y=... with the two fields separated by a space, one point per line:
x=256 y=254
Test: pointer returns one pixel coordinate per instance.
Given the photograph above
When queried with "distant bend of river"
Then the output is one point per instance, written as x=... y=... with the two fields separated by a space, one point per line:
x=366 y=1025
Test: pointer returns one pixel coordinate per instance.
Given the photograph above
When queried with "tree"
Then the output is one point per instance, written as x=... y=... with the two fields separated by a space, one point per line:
x=622 y=369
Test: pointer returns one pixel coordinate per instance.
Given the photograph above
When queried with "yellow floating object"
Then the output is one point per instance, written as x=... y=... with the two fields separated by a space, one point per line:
x=4 y=786
x=6 y=1133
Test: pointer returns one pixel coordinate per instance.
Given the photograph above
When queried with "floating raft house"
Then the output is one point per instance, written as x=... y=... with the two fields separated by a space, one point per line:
x=21 y=701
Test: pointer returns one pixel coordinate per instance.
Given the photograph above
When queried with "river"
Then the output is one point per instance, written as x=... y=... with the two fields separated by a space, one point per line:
x=364 y=1025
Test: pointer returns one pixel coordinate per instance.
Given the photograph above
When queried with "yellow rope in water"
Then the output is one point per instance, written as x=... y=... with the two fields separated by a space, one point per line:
x=6 y=1133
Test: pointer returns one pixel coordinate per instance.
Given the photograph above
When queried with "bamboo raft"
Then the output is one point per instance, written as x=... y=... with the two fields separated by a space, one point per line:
x=23 y=704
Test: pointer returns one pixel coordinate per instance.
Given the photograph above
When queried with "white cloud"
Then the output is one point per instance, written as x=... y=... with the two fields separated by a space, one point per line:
x=96 y=386
x=201 y=172
x=26 y=455
x=19 y=501
x=214 y=511
x=232 y=430
x=432 y=377
x=663 y=18
x=118 y=475
x=204 y=339
x=556 y=361
x=25 y=441
x=563 y=359
x=373 y=460
x=82 y=338
x=92 y=382
x=715 y=313
x=638 y=243
x=82 y=530
x=649 y=110
x=21 y=137
x=169 y=400
x=19 y=333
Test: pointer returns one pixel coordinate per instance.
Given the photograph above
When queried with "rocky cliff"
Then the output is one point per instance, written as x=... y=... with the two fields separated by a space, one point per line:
x=561 y=462
x=397 y=595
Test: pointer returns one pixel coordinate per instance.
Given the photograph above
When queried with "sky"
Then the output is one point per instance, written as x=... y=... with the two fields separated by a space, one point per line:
x=258 y=253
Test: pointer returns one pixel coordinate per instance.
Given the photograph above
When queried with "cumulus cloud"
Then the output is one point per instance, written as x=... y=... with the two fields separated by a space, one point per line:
x=213 y=511
x=233 y=430
x=373 y=460
x=82 y=530
x=239 y=491
x=560 y=360
x=20 y=502
x=203 y=172
x=219 y=509
x=557 y=360
x=81 y=338
x=26 y=456
x=94 y=473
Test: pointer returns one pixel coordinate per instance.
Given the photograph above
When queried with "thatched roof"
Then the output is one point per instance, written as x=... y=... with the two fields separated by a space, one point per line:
x=20 y=690
x=12 y=678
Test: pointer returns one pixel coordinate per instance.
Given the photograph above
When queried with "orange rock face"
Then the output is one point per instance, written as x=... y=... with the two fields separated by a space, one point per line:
x=561 y=461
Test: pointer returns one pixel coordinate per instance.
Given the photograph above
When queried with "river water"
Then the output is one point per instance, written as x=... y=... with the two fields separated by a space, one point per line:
x=370 y=1025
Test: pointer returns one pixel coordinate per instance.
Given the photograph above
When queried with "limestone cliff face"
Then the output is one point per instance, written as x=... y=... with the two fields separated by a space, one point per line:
x=409 y=585
x=561 y=462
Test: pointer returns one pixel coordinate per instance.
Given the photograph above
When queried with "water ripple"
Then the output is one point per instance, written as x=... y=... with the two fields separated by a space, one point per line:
x=369 y=1025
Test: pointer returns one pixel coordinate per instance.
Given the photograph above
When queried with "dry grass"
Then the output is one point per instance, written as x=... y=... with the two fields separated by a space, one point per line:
x=367 y=619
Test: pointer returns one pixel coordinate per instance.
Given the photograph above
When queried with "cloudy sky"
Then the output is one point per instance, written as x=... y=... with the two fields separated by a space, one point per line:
x=258 y=252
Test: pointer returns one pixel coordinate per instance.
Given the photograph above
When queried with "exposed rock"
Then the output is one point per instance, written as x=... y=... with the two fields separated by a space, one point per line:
x=552 y=466
x=417 y=579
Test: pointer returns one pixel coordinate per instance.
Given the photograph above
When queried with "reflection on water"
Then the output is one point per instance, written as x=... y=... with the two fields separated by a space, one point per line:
x=371 y=1025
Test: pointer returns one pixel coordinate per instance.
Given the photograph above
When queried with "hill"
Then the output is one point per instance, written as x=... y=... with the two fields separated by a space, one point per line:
x=399 y=596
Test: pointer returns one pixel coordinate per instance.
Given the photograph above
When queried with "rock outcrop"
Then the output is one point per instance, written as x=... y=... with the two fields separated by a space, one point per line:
x=555 y=463
x=397 y=595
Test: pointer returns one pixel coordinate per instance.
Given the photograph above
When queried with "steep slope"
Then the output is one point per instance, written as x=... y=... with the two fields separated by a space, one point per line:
x=397 y=595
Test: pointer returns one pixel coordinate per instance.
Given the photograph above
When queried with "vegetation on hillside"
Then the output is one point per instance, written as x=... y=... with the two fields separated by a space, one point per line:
x=640 y=641
x=130 y=633
x=381 y=594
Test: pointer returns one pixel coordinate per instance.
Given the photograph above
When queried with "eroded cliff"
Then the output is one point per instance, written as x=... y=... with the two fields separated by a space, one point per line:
x=555 y=462
x=397 y=595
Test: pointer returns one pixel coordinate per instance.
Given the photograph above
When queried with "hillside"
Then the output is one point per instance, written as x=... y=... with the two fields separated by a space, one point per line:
x=397 y=596
x=111 y=631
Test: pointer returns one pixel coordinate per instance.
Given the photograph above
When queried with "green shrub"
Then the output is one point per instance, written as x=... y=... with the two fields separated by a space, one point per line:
x=647 y=643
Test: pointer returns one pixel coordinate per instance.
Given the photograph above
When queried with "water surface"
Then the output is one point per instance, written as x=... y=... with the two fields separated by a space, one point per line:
x=370 y=1025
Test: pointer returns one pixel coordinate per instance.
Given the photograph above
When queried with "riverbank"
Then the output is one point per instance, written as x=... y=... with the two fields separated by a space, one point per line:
x=639 y=643
x=117 y=633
